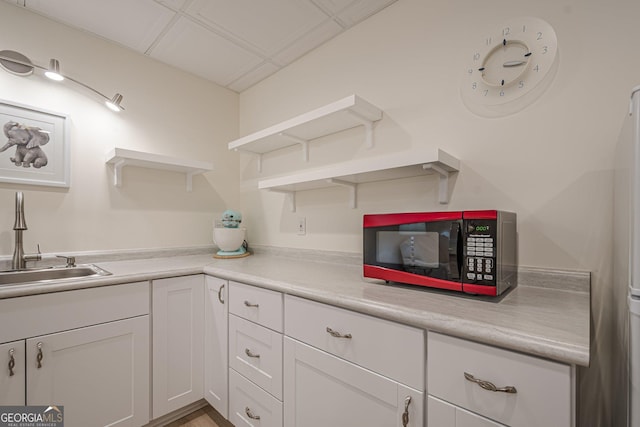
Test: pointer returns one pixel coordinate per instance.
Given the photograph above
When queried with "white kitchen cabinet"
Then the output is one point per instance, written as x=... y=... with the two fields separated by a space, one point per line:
x=216 y=371
x=95 y=353
x=343 y=368
x=323 y=390
x=444 y=414
x=178 y=342
x=100 y=374
x=508 y=387
x=13 y=373
x=255 y=356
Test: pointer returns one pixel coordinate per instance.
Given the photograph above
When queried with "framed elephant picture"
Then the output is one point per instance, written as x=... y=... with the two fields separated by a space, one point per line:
x=34 y=146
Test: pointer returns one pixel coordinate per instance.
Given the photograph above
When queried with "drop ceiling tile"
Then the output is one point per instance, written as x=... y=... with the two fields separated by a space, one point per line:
x=308 y=42
x=334 y=6
x=173 y=4
x=261 y=72
x=193 y=48
x=135 y=24
x=361 y=10
x=266 y=25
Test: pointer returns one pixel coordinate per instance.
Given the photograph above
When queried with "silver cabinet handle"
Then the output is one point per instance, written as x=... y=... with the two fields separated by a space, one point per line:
x=250 y=415
x=249 y=304
x=220 y=294
x=250 y=353
x=489 y=385
x=12 y=362
x=405 y=414
x=39 y=356
x=337 y=334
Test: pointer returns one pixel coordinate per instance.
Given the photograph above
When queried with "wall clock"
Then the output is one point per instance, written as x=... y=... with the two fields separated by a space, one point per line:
x=510 y=67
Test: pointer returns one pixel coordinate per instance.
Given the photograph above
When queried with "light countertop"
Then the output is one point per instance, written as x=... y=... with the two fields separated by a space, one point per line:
x=550 y=319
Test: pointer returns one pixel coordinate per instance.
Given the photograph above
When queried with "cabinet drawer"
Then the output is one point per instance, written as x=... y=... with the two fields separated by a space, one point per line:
x=261 y=306
x=544 y=393
x=248 y=401
x=60 y=311
x=385 y=347
x=443 y=414
x=256 y=353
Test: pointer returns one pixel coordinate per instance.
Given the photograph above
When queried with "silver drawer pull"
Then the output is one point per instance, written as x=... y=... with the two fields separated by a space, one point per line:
x=250 y=304
x=220 y=294
x=250 y=415
x=337 y=334
x=39 y=356
x=250 y=353
x=405 y=414
x=489 y=385
x=12 y=362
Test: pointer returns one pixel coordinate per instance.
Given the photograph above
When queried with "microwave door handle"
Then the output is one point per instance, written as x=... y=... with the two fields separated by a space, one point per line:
x=456 y=230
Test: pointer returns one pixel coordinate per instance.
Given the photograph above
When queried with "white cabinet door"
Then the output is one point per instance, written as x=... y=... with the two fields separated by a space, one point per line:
x=322 y=390
x=12 y=373
x=444 y=414
x=178 y=342
x=215 y=344
x=100 y=374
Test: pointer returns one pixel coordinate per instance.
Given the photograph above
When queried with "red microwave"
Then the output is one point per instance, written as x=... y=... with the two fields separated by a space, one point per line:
x=468 y=251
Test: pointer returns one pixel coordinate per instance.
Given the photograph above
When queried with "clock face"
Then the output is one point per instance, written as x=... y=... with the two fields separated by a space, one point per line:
x=510 y=67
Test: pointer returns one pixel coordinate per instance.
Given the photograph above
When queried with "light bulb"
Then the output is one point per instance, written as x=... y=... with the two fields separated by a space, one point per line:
x=54 y=71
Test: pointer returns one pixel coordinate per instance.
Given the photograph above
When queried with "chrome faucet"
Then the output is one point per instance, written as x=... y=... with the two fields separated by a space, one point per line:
x=19 y=258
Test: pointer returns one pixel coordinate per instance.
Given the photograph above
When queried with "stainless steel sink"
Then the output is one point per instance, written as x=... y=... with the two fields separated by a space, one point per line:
x=44 y=275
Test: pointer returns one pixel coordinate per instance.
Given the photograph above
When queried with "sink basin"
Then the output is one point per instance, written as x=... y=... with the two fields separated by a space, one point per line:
x=43 y=275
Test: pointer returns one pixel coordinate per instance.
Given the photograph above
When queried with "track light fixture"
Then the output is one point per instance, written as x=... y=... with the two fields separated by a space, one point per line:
x=20 y=65
x=54 y=71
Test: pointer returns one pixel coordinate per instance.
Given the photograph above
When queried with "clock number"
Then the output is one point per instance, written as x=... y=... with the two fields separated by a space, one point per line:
x=539 y=36
x=476 y=56
x=524 y=28
x=506 y=31
x=502 y=93
x=536 y=68
x=521 y=84
x=489 y=41
x=545 y=49
x=470 y=71
x=486 y=92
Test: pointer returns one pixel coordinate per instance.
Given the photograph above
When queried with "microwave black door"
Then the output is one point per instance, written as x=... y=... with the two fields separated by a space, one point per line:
x=431 y=249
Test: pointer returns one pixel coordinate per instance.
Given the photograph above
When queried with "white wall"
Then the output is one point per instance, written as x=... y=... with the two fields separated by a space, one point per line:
x=551 y=163
x=168 y=112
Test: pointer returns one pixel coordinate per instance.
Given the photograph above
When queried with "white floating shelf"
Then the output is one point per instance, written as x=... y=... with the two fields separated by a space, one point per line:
x=344 y=114
x=120 y=157
x=371 y=169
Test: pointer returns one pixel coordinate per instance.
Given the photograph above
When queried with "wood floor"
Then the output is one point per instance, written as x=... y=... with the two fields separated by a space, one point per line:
x=205 y=417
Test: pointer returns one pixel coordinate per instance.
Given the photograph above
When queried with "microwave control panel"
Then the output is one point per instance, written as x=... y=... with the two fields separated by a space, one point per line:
x=480 y=252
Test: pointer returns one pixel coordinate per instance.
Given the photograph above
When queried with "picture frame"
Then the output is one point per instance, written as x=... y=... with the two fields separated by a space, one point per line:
x=34 y=146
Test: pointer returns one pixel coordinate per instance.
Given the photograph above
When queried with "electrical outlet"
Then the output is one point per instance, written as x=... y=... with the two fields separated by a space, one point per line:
x=302 y=226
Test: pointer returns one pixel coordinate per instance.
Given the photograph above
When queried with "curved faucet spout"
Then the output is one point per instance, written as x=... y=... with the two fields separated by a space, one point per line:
x=20 y=223
x=19 y=261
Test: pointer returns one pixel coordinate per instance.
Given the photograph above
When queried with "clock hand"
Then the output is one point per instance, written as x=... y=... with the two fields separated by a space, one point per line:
x=516 y=63
x=513 y=63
